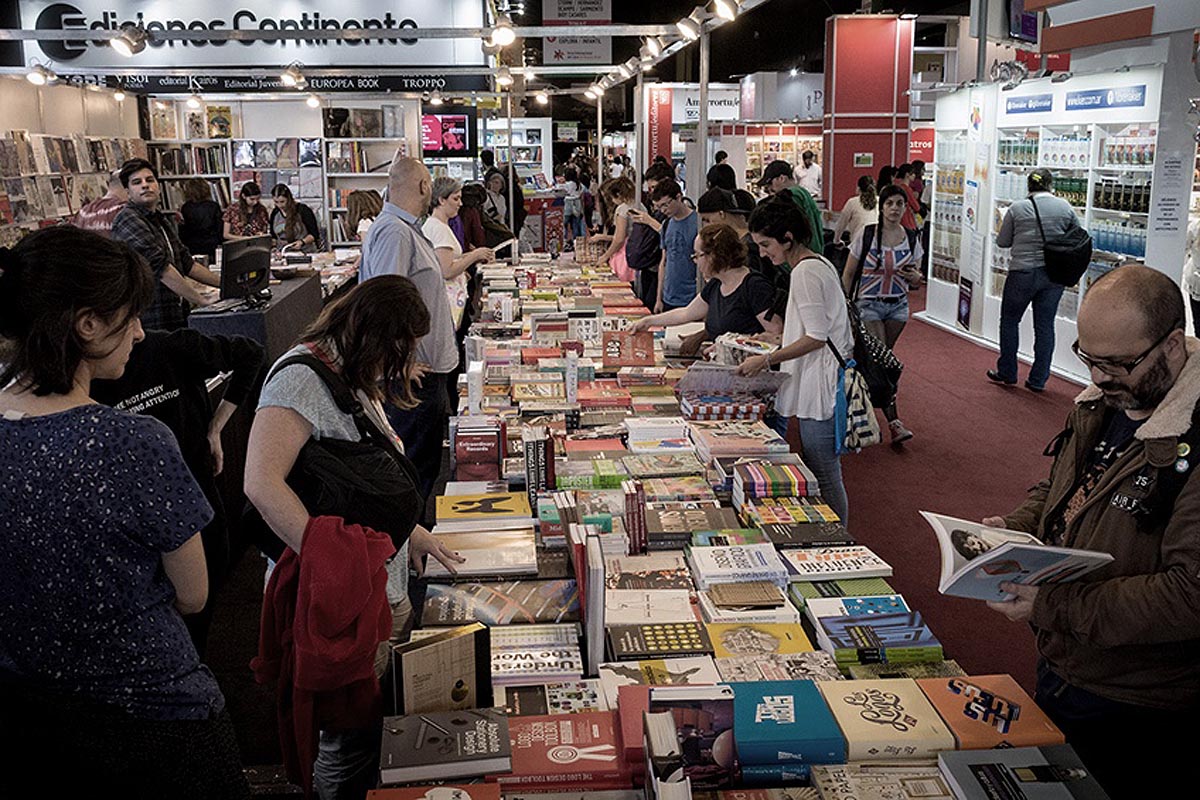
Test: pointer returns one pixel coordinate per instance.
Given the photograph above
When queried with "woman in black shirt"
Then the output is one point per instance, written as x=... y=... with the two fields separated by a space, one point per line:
x=734 y=299
x=202 y=229
x=293 y=224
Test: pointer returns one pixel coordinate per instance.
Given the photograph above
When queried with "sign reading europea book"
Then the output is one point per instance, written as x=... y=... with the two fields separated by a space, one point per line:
x=390 y=17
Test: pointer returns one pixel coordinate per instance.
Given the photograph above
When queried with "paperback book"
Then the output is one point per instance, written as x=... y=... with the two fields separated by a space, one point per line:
x=886 y=720
x=806 y=534
x=488 y=553
x=932 y=669
x=639 y=606
x=500 y=505
x=893 y=638
x=561 y=751
x=834 y=563
x=701 y=719
x=897 y=781
x=988 y=711
x=1021 y=773
x=539 y=699
x=756 y=639
x=665 y=569
x=658 y=640
x=735 y=564
x=688 y=670
x=729 y=536
x=785 y=721
x=528 y=602
x=446 y=672
x=801 y=592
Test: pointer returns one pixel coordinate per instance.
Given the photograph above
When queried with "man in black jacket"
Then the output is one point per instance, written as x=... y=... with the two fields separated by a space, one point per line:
x=643 y=249
x=167 y=378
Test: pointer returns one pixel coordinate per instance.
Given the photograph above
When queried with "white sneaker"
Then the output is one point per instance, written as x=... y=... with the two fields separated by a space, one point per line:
x=900 y=434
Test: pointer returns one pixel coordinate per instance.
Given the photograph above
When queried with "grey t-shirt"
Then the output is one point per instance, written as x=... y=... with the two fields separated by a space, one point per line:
x=1019 y=230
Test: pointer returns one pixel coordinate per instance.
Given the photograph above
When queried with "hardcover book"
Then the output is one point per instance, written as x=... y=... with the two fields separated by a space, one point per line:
x=703 y=728
x=897 y=781
x=990 y=711
x=785 y=612
x=560 y=750
x=814 y=666
x=658 y=640
x=686 y=488
x=665 y=569
x=446 y=672
x=1029 y=773
x=895 y=638
x=886 y=720
x=662 y=465
x=834 y=563
x=527 y=602
x=477 y=791
x=756 y=639
x=735 y=564
x=682 y=522
x=444 y=746
x=539 y=699
x=806 y=534
x=688 y=670
x=785 y=721
x=729 y=536
x=500 y=505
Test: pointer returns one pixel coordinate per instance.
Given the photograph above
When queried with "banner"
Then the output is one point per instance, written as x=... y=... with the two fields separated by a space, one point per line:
x=658 y=124
x=576 y=49
x=920 y=144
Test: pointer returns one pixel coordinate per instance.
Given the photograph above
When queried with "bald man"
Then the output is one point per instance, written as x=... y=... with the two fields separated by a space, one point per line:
x=1120 y=647
x=396 y=246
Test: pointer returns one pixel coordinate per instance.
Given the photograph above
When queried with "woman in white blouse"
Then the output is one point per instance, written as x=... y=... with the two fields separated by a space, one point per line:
x=858 y=212
x=816 y=319
x=445 y=203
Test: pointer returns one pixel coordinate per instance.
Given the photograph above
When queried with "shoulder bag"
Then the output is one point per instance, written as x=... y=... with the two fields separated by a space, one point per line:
x=854 y=416
x=1067 y=256
x=876 y=362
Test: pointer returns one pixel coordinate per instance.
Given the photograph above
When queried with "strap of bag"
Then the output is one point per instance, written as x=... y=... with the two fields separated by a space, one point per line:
x=868 y=241
x=343 y=398
x=841 y=361
x=1038 y=217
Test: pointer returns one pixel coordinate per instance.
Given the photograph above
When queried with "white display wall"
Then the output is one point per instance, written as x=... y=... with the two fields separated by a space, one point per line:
x=1099 y=135
x=64 y=110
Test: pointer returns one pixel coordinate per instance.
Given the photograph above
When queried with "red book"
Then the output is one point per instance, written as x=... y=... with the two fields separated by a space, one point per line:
x=593 y=445
x=531 y=355
x=566 y=750
x=628 y=349
x=632 y=703
x=476 y=791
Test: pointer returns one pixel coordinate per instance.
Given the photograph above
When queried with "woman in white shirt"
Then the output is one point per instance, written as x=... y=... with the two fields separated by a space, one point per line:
x=816 y=318
x=858 y=212
x=445 y=203
x=497 y=197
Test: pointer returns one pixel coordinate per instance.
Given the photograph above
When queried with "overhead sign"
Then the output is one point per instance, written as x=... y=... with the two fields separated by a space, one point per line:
x=724 y=103
x=658 y=123
x=228 y=84
x=390 y=18
x=566 y=131
x=576 y=49
x=1118 y=97
x=1029 y=104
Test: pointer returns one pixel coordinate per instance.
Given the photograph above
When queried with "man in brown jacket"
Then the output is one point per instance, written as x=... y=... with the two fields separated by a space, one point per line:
x=1120 y=648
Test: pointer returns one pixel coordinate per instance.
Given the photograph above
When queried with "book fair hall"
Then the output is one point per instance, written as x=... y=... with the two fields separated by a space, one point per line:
x=599 y=400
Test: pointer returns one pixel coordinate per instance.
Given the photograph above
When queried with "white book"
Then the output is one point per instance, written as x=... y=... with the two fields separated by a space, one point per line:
x=685 y=671
x=491 y=553
x=784 y=613
x=641 y=606
x=834 y=563
x=736 y=563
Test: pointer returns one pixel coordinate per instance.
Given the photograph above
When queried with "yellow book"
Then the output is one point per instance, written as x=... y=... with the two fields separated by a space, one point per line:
x=887 y=719
x=501 y=505
x=731 y=639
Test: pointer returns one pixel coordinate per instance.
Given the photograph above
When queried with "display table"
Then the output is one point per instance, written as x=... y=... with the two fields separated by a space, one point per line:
x=294 y=304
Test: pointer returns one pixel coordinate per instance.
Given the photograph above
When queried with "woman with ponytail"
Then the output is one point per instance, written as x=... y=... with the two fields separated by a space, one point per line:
x=858 y=212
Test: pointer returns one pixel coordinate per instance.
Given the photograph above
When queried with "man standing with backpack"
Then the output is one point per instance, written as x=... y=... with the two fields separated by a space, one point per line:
x=643 y=248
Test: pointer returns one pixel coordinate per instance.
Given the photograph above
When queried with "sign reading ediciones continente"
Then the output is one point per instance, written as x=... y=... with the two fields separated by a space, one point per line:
x=390 y=17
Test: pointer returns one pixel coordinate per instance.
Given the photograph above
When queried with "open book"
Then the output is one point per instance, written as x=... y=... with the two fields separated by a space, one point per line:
x=976 y=559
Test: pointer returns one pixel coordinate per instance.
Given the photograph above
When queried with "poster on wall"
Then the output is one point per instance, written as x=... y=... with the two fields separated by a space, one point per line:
x=446 y=135
x=920 y=144
x=658 y=121
x=971 y=205
x=965 y=291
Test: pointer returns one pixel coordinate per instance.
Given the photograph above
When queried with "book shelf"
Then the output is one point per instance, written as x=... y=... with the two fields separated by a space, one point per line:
x=529 y=150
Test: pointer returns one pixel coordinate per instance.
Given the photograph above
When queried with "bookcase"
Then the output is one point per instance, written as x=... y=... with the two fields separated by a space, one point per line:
x=179 y=160
x=529 y=150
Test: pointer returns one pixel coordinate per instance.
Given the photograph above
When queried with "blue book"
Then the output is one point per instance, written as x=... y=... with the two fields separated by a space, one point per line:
x=892 y=638
x=785 y=722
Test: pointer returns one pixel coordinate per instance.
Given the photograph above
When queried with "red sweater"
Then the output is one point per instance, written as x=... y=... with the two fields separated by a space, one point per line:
x=324 y=614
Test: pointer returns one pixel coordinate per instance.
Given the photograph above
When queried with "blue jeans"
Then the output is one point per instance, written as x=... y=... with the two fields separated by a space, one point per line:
x=1020 y=290
x=874 y=309
x=818 y=437
x=347 y=763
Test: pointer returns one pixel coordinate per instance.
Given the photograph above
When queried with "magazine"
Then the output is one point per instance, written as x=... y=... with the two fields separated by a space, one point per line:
x=976 y=559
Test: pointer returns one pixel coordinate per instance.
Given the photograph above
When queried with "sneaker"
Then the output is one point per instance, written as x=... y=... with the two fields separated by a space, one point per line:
x=995 y=377
x=900 y=434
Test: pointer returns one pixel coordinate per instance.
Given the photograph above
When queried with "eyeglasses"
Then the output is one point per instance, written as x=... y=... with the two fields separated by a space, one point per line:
x=1119 y=368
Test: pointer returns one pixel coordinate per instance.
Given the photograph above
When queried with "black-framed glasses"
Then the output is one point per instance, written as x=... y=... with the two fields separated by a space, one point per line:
x=1118 y=368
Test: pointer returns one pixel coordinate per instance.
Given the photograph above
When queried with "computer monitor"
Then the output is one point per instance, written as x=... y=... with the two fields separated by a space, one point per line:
x=245 y=267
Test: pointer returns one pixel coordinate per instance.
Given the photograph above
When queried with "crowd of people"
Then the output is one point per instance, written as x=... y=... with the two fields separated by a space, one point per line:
x=112 y=542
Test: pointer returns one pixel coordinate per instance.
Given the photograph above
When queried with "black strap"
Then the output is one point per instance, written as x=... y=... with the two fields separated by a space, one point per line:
x=841 y=361
x=868 y=240
x=1038 y=217
x=342 y=396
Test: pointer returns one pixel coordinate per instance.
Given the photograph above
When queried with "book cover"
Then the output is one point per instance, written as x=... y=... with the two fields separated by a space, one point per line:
x=488 y=554
x=476 y=791
x=499 y=505
x=536 y=601
x=785 y=721
x=976 y=559
x=287 y=152
x=540 y=699
x=886 y=720
x=687 y=487
x=366 y=123
x=444 y=746
x=163 y=121
x=899 y=781
x=687 y=670
x=561 y=749
x=932 y=669
x=785 y=612
x=665 y=569
x=309 y=152
x=220 y=122
x=639 y=606
x=684 y=521
x=662 y=465
x=834 y=563
x=658 y=640
x=756 y=639
x=745 y=594
x=854 y=606
x=264 y=154
x=735 y=564
x=704 y=721
x=801 y=591
x=243 y=154
x=895 y=638
x=728 y=536
x=1022 y=773
x=806 y=534
x=814 y=666
x=535 y=664
x=447 y=672
x=987 y=711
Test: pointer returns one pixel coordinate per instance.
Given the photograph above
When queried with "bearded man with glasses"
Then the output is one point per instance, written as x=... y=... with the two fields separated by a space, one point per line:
x=1119 y=671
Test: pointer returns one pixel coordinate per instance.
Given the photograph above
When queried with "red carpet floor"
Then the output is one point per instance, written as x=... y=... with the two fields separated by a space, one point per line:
x=977 y=448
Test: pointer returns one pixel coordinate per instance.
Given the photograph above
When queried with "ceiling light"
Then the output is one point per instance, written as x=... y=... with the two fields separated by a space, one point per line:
x=644 y=55
x=691 y=25
x=793 y=72
x=654 y=46
x=504 y=76
x=119 y=94
x=908 y=17
x=626 y=72
x=727 y=9
x=292 y=76
x=312 y=101
x=38 y=75
x=130 y=42
x=194 y=101
x=502 y=32
x=542 y=98
x=435 y=98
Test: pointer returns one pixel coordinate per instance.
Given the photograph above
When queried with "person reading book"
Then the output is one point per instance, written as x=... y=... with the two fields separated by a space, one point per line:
x=1119 y=671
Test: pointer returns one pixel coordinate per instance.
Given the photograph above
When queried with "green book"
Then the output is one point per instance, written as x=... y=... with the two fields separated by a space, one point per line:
x=801 y=591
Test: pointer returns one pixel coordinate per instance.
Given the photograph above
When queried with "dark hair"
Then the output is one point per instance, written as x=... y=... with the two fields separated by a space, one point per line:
x=745 y=202
x=866 y=192
x=487 y=157
x=903 y=171
x=885 y=176
x=292 y=224
x=659 y=171
x=808 y=154
x=717 y=199
x=571 y=174
x=249 y=189
x=918 y=165
x=722 y=176
x=723 y=245
x=720 y=156
x=1040 y=180
x=665 y=188
x=887 y=193
x=660 y=159
x=135 y=165
x=375 y=328
x=47 y=280
x=780 y=217
x=196 y=190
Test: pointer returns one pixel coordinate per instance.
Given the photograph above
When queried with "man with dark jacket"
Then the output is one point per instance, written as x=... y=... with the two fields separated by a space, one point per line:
x=1120 y=647
x=643 y=250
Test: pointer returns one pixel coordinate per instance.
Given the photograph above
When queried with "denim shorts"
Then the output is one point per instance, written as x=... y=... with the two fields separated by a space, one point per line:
x=879 y=309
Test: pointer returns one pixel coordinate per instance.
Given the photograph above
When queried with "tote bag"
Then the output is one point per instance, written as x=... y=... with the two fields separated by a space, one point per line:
x=854 y=418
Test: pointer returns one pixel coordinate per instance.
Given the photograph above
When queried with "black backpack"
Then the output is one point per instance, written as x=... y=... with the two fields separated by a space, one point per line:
x=643 y=247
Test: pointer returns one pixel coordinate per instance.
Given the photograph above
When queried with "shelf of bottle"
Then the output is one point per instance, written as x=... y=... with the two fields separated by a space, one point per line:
x=1115 y=254
x=1125 y=168
x=949 y=164
x=356 y=174
x=1118 y=213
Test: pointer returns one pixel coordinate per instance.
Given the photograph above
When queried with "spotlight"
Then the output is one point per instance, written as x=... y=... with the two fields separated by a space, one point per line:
x=292 y=76
x=727 y=9
x=691 y=25
x=542 y=98
x=590 y=93
x=119 y=94
x=194 y=101
x=793 y=72
x=908 y=17
x=435 y=98
x=504 y=76
x=644 y=55
x=312 y=101
x=40 y=76
x=654 y=46
x=130 y=42
x=502 y=32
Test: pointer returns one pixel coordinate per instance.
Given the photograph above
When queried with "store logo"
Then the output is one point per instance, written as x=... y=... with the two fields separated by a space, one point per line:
x=61 y=17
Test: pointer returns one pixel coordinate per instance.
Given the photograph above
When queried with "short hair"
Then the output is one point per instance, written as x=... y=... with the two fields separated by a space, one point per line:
x=133 y=166
x=1158 y=297
x=720 y=156
x=722 y=176
x=808 y=154
x=779 y=217
x=717 y=199
x=667 y=188
x=443 y=187
x=659 y=171
x=571 y=174
x=487 y=157
x=1040 y=180
x=723 y=245
x=196 y=190
x=620 y=189
x=46 y=280
x=918 y=165
x=903 y=171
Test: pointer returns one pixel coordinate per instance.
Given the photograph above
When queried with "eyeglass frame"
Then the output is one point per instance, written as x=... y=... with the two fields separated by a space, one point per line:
x=1106 y=366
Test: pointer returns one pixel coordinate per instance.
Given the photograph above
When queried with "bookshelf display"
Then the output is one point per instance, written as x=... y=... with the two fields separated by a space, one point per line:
x=530 y=148
x=751 y=146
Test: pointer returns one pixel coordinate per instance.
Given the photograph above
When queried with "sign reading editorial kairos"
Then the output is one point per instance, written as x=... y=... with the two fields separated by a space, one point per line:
x=390 y=17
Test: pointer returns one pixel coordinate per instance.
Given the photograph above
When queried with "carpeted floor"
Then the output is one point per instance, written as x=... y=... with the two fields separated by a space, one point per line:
x=977 y=448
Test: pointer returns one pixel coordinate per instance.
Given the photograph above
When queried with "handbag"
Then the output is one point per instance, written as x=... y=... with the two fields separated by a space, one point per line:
x=1067 y=256
x=854 y=417
x=369 y=482
x=875 y=361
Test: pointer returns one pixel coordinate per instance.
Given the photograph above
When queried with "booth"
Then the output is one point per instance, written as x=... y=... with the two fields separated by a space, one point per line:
x=672 y=113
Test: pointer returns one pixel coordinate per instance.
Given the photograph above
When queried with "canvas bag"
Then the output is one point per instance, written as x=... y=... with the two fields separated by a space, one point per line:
x=854 y=419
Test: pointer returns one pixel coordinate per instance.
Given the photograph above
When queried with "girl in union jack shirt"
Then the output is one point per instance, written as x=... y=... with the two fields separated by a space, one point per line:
x=884 y=263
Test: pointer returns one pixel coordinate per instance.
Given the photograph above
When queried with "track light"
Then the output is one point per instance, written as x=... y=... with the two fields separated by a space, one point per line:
x=194 y=101
x=130 y=42
x=644 y=55
x=654 y=46
x=502 y=32
x=292 y=76
x=542 y=98
x=793 y=72
x=119 y=94
x=312 y=101
x=40 y=76
x=727 y=9
x=504 y=76
x=590 y=93
x=435 y=98
x=908 y=17
x=626 y=72
x=691 y=25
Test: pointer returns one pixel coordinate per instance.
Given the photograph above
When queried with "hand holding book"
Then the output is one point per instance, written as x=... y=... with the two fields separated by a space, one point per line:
x=1020 y=608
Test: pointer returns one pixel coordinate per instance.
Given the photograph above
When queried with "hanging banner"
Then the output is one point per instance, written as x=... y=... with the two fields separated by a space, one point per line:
x=658 y=123
x=365 y=82
x=576 y=49
x=390 y=18
x=920 y=144
x=566 y=131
